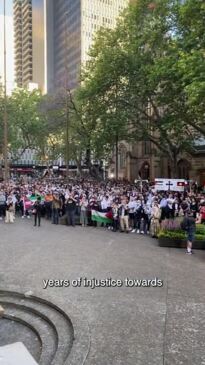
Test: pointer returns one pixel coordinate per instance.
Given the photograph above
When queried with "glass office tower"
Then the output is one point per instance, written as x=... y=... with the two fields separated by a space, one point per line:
x=52 y=38
x=67 y=42
x=75 y=25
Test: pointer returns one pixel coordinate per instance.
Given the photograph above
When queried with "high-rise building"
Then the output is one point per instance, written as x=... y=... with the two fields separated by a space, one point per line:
x=52 y=38
x=75 y=24
x=23 y=51
x=31 y=43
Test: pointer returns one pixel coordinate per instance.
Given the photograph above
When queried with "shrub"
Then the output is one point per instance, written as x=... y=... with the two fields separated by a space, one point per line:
x=200 y=237
x=178 y=235
x=200 y=229
x=171 y=228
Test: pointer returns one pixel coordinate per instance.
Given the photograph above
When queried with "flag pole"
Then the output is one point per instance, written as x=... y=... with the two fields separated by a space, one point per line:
x=6 y=166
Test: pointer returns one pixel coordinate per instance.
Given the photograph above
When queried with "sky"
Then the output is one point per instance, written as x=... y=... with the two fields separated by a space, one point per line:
x=10 y=43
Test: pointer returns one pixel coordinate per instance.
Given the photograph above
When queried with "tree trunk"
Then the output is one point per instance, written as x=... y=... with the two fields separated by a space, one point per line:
x=88 y=160
x=174 y=168
x=116 y=158
x=79 y=168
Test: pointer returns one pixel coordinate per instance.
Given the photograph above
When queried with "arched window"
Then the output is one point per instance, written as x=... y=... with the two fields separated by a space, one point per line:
x=145 y=171
x=183 y=168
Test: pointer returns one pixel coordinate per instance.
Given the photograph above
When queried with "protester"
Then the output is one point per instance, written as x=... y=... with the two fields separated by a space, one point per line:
x=2 y=204
x=70 y=209
x=202 y=212
x=115 y=215
x=132 y=209
x=55 y=207
x=124 y=215
x=155 y=219
x=37 y=209
x=129 y=209
x=189 y=226
x=9 y=210
x=83 y=211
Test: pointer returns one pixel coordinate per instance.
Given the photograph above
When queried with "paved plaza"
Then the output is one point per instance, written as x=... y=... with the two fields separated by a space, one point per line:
x=162 y=325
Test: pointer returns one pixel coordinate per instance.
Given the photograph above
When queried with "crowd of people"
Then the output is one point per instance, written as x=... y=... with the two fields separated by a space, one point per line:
x=128 y=208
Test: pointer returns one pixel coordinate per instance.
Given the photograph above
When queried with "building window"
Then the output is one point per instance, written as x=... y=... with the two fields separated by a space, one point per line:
x=122 y=157
x=146 y=148
x=183 y=167
x=144 y=172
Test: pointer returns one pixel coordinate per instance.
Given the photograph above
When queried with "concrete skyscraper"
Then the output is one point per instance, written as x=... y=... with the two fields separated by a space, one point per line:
x=31 y=43
x=75 y=24
x=23 y=41
x=52 y=38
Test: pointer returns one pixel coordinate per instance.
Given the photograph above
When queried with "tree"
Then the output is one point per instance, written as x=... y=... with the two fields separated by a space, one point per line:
x=191 y=43
x=26 y=124
x=135 y=81
x=1 y=117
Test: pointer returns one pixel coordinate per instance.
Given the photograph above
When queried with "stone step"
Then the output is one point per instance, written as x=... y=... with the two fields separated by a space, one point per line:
x=46 y=315
x=65 y=336
x=41 y=326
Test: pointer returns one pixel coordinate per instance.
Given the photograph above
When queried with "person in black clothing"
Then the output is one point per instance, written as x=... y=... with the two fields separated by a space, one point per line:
x=189 y=226
x=194 y=206
x=37 y=212
x=71 y=209
x=63 y=200
x=2 y=204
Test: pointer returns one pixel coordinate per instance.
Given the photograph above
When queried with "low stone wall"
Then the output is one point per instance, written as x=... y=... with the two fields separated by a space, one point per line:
x=177 y=243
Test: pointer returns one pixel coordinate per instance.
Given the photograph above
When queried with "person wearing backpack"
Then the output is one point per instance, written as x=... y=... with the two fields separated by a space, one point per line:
x=189 y=226
x=2 y=204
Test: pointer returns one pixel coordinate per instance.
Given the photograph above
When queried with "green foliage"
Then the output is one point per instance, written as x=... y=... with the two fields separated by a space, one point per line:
x=172 y=234
x=145 y=79
x=200 y=229
x=181 y=235
x=26 y=124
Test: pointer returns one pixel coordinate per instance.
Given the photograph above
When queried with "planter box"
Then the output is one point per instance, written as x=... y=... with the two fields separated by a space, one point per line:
x=178 y=243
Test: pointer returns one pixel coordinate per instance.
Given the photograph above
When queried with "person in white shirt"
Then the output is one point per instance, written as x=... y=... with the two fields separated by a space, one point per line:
x=105 y=203
x=164 y=208
x=9 y=210
x=83 y=211
x=124 y=216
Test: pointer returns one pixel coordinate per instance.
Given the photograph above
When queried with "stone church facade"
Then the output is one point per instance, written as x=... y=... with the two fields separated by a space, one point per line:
x=141 y=160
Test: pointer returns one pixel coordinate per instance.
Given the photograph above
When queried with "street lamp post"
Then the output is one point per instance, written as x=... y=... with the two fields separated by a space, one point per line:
x=67 y=137
x=67 y=101
x=116 y=161
x=6 y=165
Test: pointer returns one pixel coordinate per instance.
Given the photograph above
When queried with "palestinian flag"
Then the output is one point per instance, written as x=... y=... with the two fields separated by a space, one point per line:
x=35 y=197
x=101 y=217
